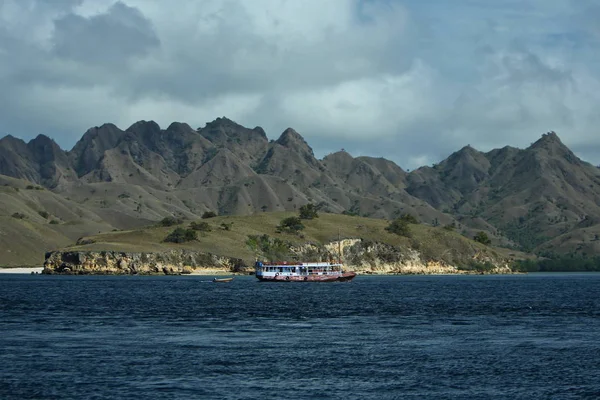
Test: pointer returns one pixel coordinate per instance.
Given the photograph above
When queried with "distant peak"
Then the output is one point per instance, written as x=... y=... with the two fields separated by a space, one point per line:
x=549 y=138
x=290 y=134
x=467 y=152
x=468 y=149
x=222 y=121
x=144 y=125
x=339 y=155
x=179 y=127
x=292 y=139
x=41 y=138
x=11 y=139
x=43 y=143
x=551 y=144
x=551 y=135
x=107 y=125
x=260 y=131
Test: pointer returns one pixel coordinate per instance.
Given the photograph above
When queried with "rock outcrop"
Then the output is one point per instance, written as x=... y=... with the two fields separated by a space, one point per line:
x=361 y=256
x=175 y=262
x=367 y=257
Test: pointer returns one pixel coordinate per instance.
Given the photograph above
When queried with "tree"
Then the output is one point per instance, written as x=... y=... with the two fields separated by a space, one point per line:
x=226 y=226
x=269 y=248
x=482 y=238
x=181 y=235
x=170 y=221
x=450 y=227
x=290 y=225
x=200 y=226
x=209 y=214
x=409 y=218
x=308 y=211
x=399 y=227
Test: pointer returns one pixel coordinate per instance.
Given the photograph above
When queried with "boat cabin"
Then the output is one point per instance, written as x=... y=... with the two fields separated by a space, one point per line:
x=296 y=269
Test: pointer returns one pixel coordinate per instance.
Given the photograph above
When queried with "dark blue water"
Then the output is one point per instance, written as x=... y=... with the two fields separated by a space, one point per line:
x=447 y=337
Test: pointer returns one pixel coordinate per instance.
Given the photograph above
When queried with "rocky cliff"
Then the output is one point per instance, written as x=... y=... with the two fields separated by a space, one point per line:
x=175 y=262
x=364 y=257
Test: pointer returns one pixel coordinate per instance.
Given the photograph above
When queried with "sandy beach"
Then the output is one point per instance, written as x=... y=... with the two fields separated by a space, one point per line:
x=20 y=270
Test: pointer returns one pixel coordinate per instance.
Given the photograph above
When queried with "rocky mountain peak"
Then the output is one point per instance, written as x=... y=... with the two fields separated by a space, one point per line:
x=179 y=127
x=103 y=132
x=467 y=157
x=144 y=128
x=293 y=140
x=88 y=151
x=223 y=130
x=260 y=131
x=11 y=147
x=550 y=146
x=549 y=140
x=338 y=156
x=222 y=122
x=43 y=147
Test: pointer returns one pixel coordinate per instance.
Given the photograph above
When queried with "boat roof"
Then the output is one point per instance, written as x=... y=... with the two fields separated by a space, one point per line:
x=298 y=264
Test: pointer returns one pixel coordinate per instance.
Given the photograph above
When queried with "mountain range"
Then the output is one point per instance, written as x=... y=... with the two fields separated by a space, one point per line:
x=541 y=199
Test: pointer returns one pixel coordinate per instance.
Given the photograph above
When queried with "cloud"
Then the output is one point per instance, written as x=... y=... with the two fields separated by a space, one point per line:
x=407 y=80
x=110 y=38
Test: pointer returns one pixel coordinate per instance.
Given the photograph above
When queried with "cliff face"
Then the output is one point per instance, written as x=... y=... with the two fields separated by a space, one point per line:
x=361 y=256
x=174 y=262
x=366 y=257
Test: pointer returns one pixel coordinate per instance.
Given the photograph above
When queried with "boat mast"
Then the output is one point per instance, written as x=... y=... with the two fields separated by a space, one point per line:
x=339 y=249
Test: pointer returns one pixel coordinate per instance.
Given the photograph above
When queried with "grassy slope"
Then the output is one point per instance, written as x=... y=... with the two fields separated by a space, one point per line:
x=24 y=241
x=435 y=243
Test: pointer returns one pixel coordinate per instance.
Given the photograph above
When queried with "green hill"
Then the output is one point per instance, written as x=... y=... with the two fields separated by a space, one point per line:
x=376 y=245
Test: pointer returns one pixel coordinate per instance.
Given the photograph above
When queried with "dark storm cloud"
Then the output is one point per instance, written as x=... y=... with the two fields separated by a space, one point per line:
x=110 y=38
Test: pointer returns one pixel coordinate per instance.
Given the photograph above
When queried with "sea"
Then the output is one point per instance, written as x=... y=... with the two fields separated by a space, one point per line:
x=532 y=336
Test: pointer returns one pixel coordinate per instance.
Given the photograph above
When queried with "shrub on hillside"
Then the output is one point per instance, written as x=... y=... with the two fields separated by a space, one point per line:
x=209 y=214
x=308 y=211
x=290 y=225
x=268 y=248
x=19 y=215
x=399 y=227
x=482 y=238
x=181 y=235
x=44 y=214
x=409 y=218
x=200 y=226
x=170 y=221
x=226 y=226
x=450 y=227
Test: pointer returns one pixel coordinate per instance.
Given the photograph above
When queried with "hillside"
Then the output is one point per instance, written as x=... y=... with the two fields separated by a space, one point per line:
x=540 y=199
x=364 y=242
x=530 y=197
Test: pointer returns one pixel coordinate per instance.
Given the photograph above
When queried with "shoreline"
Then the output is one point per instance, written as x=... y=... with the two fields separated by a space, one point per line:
x=21 y=270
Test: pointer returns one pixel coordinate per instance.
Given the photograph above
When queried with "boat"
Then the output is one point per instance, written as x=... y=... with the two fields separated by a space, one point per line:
x=222 y=280
x=302 y=272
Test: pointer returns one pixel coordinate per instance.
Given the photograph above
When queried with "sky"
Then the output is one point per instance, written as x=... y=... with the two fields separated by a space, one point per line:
x=408 y=80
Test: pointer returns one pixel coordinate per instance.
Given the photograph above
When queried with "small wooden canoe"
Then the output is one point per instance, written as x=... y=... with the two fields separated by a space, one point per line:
x=222 y=280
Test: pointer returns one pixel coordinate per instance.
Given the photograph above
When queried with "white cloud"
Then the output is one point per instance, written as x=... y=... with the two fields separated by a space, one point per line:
x=367 y=108
x=408 y=80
